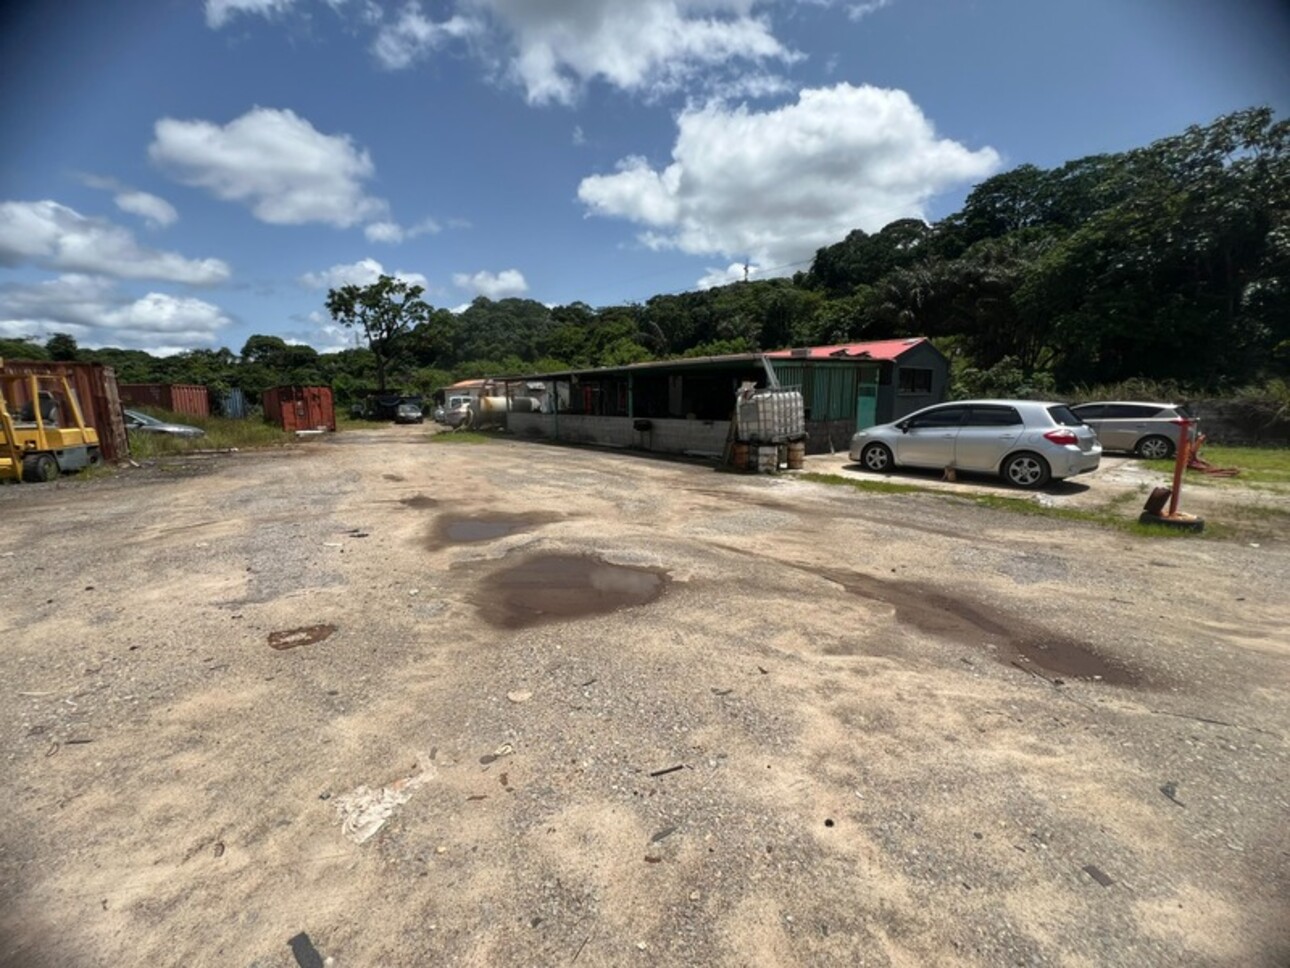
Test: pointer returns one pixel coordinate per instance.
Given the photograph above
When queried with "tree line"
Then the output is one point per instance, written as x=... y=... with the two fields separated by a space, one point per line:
x=1169 y=262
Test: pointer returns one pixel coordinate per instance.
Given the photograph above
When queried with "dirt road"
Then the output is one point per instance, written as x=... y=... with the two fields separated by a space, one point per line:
x=625 y=711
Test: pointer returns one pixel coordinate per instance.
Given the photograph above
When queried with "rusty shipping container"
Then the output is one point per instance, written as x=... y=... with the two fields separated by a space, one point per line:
x=300 y=408
x=184 y=398
x=96 y=391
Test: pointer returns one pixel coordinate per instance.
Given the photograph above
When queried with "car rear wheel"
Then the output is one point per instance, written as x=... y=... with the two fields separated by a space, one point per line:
x=1155 y=447
x=1027 y=470
x=876 y=458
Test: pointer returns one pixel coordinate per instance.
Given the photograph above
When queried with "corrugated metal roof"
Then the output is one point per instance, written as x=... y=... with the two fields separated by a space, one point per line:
x=886 y=349
x=882 y=349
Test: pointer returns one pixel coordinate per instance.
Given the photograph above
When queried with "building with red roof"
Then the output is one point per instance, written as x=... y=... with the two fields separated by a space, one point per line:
x=684 y=405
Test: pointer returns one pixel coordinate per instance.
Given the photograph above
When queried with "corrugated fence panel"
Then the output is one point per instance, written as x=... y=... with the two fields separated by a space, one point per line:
x=300 y=408
x=144 y=395
x=232 y=404
x=96 y=392
x=184 y=398
x=190 y=399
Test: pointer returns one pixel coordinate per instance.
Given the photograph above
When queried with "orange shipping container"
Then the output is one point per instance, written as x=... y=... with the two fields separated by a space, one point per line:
x=96 y=391
x=300 y=408
x=176 y=397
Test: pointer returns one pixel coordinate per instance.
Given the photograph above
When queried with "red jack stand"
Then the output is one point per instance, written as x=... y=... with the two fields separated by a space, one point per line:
x=1173 y=518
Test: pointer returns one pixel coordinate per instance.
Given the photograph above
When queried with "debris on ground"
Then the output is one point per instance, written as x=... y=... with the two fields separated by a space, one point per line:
x=1195 y=462
x=307 y=635
x=506 y=749
x=667 y=770
x=363 y=811
x=1098 y=875
x=520 y=695
x=303 y=950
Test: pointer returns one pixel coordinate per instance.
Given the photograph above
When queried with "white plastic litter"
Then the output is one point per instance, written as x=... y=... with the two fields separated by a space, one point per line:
x=363 y=811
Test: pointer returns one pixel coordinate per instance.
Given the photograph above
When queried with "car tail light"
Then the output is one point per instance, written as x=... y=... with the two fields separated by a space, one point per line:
x=1061 y=437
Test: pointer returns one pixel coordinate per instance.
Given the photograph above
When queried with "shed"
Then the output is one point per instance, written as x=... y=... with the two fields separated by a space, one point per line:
x=684 y=406
x=851 y=386
x=95 y=387
x=300 y=408
x=186 y=398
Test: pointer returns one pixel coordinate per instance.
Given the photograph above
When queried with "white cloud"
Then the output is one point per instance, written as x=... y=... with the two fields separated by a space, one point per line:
x=724 y=277
x=644 y=46
x=753 y=85
x=858 y=11
x=219 y=12
x=393 y=232
x=554 y=48
x=157 y=212
x=53 y=236
x=361 y=273
x=413 y=36
x=579 y=138
x=774 y=186
x=508 y=282
x=97 y=313
x=274 y=161
x=322 y=333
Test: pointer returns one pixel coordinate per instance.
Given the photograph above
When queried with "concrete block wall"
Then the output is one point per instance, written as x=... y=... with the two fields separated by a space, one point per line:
x=820 y=434
x=664 y=436
x=685 y=436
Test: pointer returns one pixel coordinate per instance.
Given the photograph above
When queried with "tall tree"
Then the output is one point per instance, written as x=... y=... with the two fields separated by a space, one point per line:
x=384 y=311
x=61 y=346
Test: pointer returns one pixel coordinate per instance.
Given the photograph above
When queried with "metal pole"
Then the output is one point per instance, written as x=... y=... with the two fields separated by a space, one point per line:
x=1180 y=464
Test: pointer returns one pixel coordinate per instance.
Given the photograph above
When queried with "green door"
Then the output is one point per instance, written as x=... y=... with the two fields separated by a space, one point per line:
x=866 y=405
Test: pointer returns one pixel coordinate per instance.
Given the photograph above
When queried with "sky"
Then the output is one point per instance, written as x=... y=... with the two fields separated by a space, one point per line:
x=182 y=174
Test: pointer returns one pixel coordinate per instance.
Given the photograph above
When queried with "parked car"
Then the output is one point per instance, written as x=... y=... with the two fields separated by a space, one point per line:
x=1026 y=442
x=454 y=412
x=408 y=413
x=1145 y=429
x=146 y=424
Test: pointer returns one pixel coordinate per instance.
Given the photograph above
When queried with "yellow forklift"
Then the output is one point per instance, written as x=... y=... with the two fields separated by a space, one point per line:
x=46 y=435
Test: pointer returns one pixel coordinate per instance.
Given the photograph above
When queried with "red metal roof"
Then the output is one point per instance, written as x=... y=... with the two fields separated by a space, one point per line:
x=882 y=349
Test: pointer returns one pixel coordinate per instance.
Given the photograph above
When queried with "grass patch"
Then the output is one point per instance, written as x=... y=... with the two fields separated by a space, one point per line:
x=460 y=437
x=221 y=434
x=1258 y=465
x=1114 y=515
x=873 y=487
x=344 y=422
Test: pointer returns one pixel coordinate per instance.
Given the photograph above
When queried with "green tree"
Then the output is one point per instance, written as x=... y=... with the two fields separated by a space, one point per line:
x=384 y=311
x=22 y=349
x=61 y=346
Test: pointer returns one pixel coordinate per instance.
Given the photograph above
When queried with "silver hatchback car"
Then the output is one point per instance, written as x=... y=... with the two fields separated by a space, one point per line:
x=1026 y=442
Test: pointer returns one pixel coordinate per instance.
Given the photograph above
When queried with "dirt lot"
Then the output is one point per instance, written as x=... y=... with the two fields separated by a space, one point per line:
x=626 y=712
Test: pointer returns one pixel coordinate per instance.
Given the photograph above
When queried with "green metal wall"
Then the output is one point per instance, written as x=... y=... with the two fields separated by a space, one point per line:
x=829 y=390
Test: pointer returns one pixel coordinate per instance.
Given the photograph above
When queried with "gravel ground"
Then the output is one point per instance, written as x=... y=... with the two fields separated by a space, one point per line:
x=626 y=711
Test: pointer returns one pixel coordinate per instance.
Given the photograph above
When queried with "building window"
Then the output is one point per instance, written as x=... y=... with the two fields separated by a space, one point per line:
x=915 y=380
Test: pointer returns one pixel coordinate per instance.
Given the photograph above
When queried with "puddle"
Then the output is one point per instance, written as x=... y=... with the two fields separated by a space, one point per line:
x=552 y=588
x=419 y=502
x=307 y=635
x=970 y=623
x=468 y=529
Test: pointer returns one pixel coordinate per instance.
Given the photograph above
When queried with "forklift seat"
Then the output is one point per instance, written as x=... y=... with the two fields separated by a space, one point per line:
x=48 y=411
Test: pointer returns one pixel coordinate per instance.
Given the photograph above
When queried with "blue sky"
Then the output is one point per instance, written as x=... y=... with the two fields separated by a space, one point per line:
x=184 y=173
